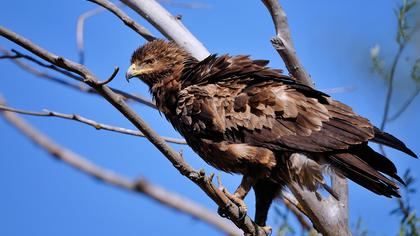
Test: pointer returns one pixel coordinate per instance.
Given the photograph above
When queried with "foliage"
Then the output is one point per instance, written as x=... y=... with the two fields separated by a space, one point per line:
x=406 y=29
x=410 y=221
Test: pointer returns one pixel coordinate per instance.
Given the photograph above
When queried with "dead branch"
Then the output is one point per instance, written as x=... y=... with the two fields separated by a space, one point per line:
x=126 y=96
x=405 y=105
x=198 y=177
x=189 y=5
x=329 y=216
x=343 y=89
x=293 y=205
x=87 y=121
x=283 y=43
x=80 y=31
x=168 y=25
x=111 y=77
x=142 y=31
x=141 y=185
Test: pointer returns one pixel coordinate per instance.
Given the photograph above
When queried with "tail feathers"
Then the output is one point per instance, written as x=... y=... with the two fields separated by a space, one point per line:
x=361 y=172
x=391 y=141
x=378 y=162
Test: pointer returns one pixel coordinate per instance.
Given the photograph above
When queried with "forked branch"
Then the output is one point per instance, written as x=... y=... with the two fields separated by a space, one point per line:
x=84 y=120
x=141 y=185
x=198 y=177
x=329 y=216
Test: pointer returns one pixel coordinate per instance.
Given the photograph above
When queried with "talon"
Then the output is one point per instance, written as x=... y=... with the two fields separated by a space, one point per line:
x=267 y=230
x=243 y=209
x=222 y=212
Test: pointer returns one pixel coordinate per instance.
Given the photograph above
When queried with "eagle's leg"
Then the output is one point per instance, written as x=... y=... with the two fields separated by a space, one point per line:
x=265 y=192
x=239 y=195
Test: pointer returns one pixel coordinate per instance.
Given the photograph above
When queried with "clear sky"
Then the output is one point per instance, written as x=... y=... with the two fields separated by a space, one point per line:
x=41 y=196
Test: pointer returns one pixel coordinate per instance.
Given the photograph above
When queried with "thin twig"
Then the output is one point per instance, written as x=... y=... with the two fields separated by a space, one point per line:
x=9 y=56
x=344 y=89
x=389 y=92
x=404 y=107
x=198 y=177
x=80 y=31
x=94 y=124
x=391 y=85
x=125 y=18
x=30 y=69
x=111 y=77
x=142 y=186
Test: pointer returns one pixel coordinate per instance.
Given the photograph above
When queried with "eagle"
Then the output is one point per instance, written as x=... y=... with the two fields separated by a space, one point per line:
x=241 y=116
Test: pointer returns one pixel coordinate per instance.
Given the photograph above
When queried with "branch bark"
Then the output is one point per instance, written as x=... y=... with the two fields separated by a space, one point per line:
x=170 y=26
x=198 y=177
x=329 y=216
x=142 y=186
x=283 y=43
x=89 y=122
x=142 y=31
x=16 y=59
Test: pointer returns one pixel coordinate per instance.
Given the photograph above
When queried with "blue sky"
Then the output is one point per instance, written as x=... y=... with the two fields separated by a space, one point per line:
x=41 y=196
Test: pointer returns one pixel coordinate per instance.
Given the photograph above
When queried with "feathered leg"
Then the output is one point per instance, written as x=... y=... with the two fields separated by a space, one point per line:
x=265 y=192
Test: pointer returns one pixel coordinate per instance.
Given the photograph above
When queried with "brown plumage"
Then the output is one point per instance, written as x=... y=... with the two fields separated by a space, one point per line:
x=243 y=117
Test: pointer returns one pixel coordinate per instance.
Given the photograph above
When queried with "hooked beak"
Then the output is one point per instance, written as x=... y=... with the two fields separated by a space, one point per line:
x=134 y=71
x=131 y=72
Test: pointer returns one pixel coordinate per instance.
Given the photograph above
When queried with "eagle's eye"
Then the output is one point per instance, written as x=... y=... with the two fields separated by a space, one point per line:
x=149 y=61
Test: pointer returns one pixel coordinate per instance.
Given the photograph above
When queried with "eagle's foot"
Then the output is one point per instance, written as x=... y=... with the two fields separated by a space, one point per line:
x=267 y=230
x=243 y=209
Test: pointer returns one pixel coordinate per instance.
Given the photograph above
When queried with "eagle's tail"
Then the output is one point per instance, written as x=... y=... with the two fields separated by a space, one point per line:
x=391 y=141
x=367 y=168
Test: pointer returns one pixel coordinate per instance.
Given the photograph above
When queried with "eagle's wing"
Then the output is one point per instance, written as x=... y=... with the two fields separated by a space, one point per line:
x=263 y=108
x=272 y=115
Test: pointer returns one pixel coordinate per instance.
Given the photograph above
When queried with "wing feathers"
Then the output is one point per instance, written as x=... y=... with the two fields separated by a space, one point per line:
x=391 y=141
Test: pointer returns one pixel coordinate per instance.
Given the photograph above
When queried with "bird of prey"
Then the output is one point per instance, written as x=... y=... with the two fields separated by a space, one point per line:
x=241 y=116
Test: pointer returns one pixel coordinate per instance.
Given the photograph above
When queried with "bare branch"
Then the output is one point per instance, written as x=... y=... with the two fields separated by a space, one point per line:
x=343 y=89
x=199 y=178
x=142 y=186
x=9 y=57
x=282 y=42
x=110 y=77
x=189 y=5
x=125 y=18
x=87 y=121
x=80 y=31
x=41 y=74
x=329 y=216
x=390 y=80
x=293 y=205
x=168 y=25
x=404 y=107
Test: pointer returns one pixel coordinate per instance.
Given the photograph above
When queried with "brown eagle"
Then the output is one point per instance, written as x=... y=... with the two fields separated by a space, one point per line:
x=242 y=117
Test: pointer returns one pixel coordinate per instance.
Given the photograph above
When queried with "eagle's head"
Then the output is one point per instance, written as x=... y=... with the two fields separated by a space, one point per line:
x=156 y=61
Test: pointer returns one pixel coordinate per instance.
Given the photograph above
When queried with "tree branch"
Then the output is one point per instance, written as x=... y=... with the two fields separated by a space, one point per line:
x=329 y=216
x=404 y=107
x=168 y=25
x=283 y=43
x=87 y=121
x=198 y=177
x=50 y=77
x=142 y=186
x=125 y=18
x=80 y=31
